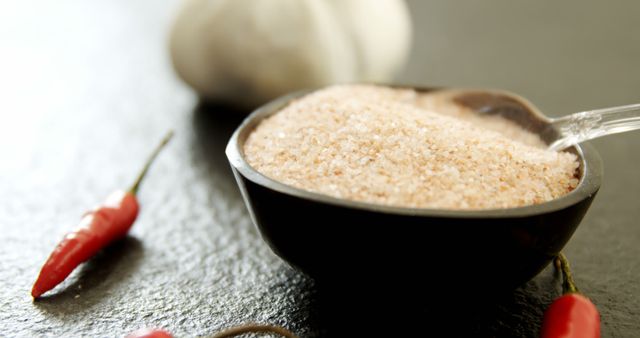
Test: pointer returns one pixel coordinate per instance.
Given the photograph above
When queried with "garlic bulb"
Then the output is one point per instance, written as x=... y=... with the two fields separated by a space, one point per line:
x=250 y=51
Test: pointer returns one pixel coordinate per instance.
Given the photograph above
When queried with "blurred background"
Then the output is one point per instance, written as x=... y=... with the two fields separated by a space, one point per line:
x=87 y=88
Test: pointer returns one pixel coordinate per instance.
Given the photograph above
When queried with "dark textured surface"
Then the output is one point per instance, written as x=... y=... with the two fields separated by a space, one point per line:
x=87 y=90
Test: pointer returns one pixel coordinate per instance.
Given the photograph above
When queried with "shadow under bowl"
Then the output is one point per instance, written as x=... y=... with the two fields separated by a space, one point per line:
x=337 y=240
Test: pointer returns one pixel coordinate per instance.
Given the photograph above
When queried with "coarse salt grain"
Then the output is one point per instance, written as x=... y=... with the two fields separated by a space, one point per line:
x=402 y=148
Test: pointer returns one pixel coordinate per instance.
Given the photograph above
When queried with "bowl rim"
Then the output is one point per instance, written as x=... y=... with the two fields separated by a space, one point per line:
x=589 y=184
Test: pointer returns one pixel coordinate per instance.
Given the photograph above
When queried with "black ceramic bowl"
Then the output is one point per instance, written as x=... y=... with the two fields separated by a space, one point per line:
x=339 y=240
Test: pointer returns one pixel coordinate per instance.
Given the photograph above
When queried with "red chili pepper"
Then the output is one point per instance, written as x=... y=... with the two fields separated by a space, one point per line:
x=149 y=333
x=572 y=315
x=97 y=229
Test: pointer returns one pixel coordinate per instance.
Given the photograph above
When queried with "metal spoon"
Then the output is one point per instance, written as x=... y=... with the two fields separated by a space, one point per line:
x=575 y=128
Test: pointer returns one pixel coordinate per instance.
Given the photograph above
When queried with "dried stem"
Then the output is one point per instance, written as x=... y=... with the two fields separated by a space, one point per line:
x=254 y=328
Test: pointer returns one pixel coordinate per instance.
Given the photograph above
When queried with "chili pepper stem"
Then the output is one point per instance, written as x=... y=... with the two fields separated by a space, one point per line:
x=152 y=157
x=568 y=284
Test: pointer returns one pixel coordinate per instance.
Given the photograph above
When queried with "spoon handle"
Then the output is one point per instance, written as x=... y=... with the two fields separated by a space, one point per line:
x=587 y=125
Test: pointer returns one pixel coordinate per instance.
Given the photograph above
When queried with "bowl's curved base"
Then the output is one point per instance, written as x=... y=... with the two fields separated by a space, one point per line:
x=338 y=244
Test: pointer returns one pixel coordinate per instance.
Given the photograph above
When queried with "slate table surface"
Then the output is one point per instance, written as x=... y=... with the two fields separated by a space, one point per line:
x=87 y=89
